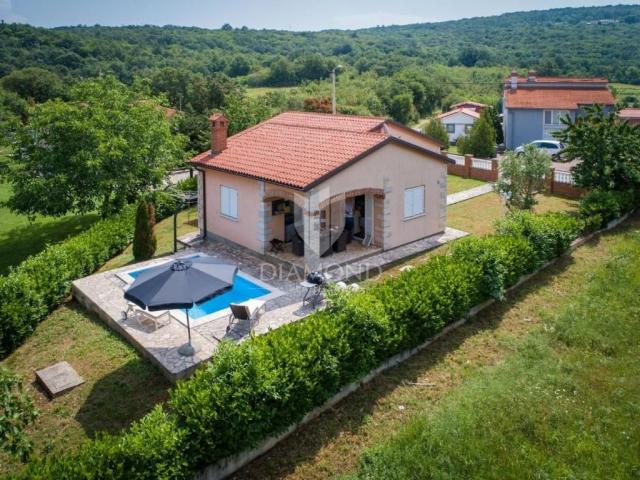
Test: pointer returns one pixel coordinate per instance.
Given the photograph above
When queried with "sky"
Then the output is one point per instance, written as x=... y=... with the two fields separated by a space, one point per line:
x=277 y=14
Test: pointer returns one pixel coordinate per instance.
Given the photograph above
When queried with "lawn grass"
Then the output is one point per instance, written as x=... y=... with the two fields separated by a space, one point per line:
x=20 y=238
x=332 y=444
x=119 y=385
x=457 y=184
x=568 y=399
x=187 y=222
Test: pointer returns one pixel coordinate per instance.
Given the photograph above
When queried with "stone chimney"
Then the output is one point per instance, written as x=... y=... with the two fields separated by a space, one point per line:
x=514 y=80
x=531 y=78
x=219 y=126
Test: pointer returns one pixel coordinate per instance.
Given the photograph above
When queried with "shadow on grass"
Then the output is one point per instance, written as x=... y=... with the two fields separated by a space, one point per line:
x=19 y=243
x=349 y=416
x=123 y=395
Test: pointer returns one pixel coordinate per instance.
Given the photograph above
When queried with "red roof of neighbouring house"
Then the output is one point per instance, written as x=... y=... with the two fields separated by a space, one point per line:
x=557 y=98
x=630 y=113
x=465 y=111
x=300 y=149
x=562 y=93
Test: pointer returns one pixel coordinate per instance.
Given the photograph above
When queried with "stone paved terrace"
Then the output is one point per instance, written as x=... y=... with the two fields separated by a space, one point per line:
x=103 y=293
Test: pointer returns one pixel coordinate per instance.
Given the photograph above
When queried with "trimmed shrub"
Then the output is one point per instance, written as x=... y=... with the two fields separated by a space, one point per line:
x=165 y=204
x=16 y=413
x=144 y=238
x=39 y=284
x=549 y=234
x=599 y=207
x=503 y=260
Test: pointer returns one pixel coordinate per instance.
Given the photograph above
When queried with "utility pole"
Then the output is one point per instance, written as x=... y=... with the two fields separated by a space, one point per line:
x=333 y=88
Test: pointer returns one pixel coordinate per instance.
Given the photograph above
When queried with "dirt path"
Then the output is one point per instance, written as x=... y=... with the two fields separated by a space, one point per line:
x=331 y=444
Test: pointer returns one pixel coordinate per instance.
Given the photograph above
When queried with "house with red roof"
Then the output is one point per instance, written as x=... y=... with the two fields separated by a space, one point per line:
x=534 y=106
x=458 y=121
x=631 y=115
x=310 y=184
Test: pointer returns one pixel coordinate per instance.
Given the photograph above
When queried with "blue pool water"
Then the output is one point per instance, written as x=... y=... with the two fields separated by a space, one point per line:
x=241 y=291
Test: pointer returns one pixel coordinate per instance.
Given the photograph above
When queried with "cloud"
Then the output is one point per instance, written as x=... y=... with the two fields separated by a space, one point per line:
x=371 y=19
x=7 y=14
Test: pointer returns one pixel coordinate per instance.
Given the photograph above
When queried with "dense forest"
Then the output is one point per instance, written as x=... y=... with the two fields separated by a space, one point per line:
x=406 y=72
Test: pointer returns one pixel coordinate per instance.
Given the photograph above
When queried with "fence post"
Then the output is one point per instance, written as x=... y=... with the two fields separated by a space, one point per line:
x=494 y=169
x=468 y=163
x=551 y=179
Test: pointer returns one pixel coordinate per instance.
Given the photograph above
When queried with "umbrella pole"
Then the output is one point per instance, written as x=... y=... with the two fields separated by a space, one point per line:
x=187 y=349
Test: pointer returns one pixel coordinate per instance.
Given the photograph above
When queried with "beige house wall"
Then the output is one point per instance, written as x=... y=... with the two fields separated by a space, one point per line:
x=395 y=168
x=244 y=229
x=408 y=135
x=392 y=169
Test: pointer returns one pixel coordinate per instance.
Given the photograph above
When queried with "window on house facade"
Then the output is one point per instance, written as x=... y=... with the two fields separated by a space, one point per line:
x=467 y=128
x=229 y=202
x=451 y=127
x=552 y=117
x=414 y=201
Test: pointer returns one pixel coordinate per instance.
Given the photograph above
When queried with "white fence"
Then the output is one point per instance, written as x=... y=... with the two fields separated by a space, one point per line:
x=563 y=177
x=458 y=159
x=481 y=164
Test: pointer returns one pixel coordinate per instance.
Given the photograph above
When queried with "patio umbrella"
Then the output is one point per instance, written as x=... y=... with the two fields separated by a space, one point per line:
x=181 y=284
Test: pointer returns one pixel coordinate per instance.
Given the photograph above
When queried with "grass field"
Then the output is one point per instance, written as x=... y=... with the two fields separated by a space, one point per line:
x=332 y=444
x=119 y=385
x=457 y=184
x=20 y=238
x=571 y=388
x=254 y=92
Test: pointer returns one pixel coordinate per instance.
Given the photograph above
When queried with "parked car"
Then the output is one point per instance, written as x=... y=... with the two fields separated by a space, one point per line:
x=552 y=147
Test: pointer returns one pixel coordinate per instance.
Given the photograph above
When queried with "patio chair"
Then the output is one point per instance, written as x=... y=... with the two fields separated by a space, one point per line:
x=145 y=318
x=248 y=311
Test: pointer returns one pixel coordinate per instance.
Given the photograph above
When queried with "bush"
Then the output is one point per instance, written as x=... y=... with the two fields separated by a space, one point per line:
x=39 y=284
x=599 y=207
x=188 y=184
x=165 y=202
x=503 y=260
x=16 y=413
x=550 y=234
x=144 y=238
x=481 y=141
x=435 y=129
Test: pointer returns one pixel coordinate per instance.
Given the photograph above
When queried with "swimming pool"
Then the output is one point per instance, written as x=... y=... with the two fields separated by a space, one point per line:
x=245 y=287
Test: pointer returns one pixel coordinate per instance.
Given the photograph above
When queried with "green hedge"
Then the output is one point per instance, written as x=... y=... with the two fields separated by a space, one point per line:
x=599 y=207
x=550 y=234
x=258 y=388
x=39 y=284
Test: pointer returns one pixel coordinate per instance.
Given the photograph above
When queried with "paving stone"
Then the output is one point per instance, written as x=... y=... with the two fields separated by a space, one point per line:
x=59 y=378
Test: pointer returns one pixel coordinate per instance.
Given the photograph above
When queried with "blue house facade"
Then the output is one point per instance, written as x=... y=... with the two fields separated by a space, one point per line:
x=534 y=106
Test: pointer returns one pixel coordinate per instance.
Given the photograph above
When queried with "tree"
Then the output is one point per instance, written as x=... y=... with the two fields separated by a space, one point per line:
x=16 y=413
x=100 y=150
x=435 y=129
x=34 y=83
x=244 y=112
x=144 y=237
x=481 y=141
x=608 y=150
x=402 y=109
x=497 y=124
x=239 y=66
x=521 y=176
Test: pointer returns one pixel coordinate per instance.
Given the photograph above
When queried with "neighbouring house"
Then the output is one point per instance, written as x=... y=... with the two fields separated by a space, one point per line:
x=631 y=115
x=533 y=106
x=321 y=183
x=458 y=121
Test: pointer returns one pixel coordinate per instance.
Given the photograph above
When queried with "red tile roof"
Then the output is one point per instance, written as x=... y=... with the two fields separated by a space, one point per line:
x=630 y=113
x=557 y=98
x=466 y=111
x=579 y=80
x=299 y=149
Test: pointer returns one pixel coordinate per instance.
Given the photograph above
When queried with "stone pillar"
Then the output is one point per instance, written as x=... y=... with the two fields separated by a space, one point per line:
x=311 y=214
x=494 y=170
x=442 y=208
x=468 y=165
x=549 y=181
x=369 y=215
x=264 y=219
x=201 y=201
x=386 y=215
